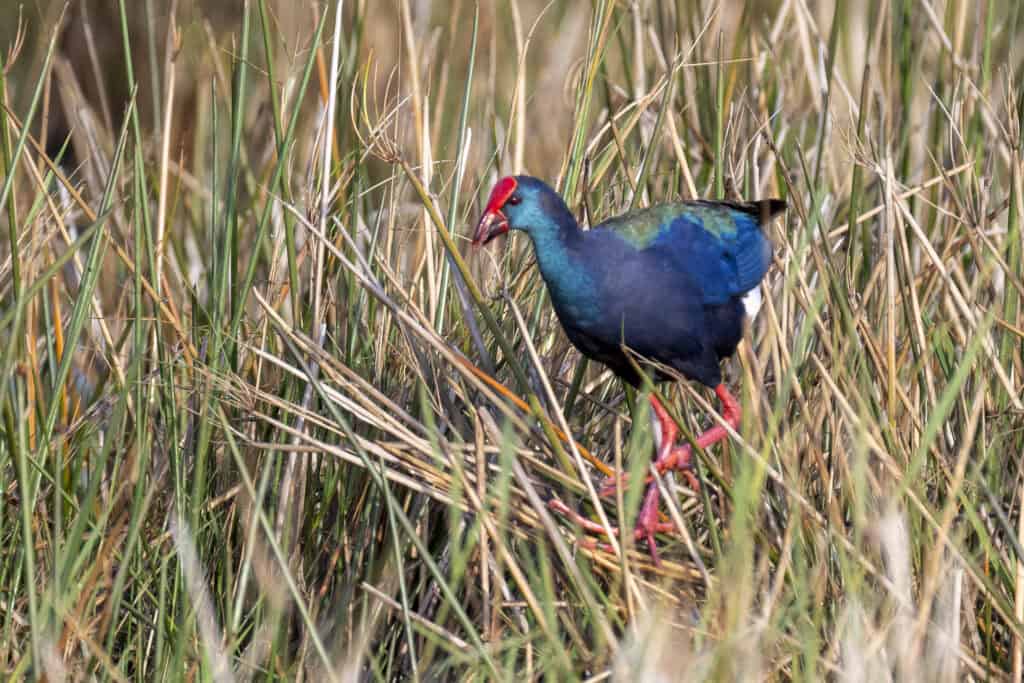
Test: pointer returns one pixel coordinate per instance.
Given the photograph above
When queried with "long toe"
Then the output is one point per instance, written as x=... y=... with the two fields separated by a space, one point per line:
x=647 y=521
x=678 y=458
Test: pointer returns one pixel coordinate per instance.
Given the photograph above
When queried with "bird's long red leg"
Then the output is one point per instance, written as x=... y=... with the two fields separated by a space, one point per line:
x=669 y=456
x=647 y=523
x=678 y=457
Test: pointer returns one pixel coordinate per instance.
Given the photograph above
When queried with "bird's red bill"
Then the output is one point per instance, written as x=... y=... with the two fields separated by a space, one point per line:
x=493 y=222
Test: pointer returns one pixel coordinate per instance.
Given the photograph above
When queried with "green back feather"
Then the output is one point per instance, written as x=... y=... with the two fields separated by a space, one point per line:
x=642 y=227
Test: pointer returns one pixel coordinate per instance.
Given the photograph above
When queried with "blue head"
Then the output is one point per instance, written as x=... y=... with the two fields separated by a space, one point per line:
x=527 y=204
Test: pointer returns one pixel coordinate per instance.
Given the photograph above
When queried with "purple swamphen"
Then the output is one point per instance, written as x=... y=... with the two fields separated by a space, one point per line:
x=672 y=283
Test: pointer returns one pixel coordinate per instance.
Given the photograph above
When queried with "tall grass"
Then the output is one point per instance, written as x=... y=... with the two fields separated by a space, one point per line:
x=267 y=416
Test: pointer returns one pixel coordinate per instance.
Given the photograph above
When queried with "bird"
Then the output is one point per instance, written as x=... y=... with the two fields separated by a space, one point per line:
x=671 y=284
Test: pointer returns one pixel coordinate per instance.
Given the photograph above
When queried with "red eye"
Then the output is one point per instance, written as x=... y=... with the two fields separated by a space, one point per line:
x=514 y=199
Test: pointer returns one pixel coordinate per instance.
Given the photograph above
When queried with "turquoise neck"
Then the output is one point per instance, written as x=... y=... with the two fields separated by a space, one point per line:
x=568 y=280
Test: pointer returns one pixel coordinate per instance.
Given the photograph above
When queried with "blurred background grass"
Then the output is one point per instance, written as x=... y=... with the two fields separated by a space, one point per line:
x=266 y=417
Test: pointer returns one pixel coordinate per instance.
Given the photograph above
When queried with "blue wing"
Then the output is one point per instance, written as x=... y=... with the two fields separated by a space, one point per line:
x=719 y=245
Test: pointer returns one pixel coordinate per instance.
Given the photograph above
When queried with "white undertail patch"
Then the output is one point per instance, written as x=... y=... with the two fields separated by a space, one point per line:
x=752 y=302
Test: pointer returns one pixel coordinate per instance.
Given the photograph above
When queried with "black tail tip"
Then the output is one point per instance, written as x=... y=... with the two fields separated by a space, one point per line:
x=770 y=208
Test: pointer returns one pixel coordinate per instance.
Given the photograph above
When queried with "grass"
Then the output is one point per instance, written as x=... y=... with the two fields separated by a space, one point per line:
x=267 y=416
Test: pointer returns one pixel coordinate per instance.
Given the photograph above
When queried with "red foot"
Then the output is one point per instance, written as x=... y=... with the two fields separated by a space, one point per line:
x=591 y=527
x=672 y=457
x=669 y=457
x=647 y=523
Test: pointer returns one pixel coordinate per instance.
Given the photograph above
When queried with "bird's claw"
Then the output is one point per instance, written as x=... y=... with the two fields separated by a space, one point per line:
x=647 y=526
x=678 y=459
